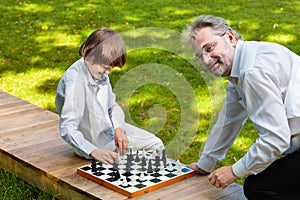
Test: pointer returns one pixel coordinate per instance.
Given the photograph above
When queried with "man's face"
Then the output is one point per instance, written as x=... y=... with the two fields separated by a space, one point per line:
x=216 y=50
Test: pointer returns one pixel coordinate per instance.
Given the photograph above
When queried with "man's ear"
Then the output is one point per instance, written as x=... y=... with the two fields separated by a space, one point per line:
x=231 y=37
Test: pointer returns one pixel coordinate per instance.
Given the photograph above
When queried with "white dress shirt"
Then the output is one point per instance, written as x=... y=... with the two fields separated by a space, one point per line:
x=87 y=109
x=264 y=85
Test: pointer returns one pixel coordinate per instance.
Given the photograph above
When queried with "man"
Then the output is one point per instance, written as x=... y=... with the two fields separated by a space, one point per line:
x=264 y=85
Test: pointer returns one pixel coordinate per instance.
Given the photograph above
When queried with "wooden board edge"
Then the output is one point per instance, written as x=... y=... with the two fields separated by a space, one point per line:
x=140 y=192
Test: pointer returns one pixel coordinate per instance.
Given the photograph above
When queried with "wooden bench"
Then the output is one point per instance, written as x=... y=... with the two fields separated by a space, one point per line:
x=30 y=147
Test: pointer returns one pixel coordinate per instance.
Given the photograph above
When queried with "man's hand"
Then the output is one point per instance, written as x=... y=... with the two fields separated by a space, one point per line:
x=197 y=169
x=105 y=156
x=121 y=140
x=222 y=177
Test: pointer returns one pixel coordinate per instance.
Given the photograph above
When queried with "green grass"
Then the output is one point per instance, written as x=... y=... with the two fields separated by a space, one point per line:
x=40 y=39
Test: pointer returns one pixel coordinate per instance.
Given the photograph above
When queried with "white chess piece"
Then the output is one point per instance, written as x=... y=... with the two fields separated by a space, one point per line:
x=133 y=180
x=161 y=167
x=124 y=181
x=142 y=177
x=170 y=167
x=178 y=167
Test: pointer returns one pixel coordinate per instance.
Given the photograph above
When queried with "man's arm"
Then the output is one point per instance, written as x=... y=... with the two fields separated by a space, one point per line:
x=230 y=121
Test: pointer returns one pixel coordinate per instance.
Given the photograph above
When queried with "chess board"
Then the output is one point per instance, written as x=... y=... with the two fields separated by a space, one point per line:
x=138 y=172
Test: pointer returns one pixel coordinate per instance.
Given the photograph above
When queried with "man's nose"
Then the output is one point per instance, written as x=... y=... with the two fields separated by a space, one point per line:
x=206 y=58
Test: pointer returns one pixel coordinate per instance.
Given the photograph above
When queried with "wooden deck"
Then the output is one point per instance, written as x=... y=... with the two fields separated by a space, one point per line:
x=30 y=146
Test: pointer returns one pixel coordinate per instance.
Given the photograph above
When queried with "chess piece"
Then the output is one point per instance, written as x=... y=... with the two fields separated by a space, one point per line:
x=94 y=166
x=115 y=166
x=130 y=155
x=157 y=161
x=124 y=181
x=128 y=165
x=161 y=168
x=178 y=167
x=149 y=170
x=116 y=175
x=133 y=180
x=142 y=177
x=137 y=158
x=164 y=158
x=170 y=167
x=144 y=162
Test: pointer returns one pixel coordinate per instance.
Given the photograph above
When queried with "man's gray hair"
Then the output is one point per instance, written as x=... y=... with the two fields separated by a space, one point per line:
x=218 y=24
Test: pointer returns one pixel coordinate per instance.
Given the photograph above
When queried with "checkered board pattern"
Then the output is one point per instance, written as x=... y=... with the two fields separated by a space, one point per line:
x=137 y=178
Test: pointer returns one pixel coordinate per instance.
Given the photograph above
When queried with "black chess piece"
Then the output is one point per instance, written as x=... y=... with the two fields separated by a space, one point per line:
x=164 y=158
x=157 y=161
x=128 y=165
x=115 y=166
x=115 y=175
x=94 y=166
x=144 y=162
x=137 y=158
x=149 y=170
x=130 y=156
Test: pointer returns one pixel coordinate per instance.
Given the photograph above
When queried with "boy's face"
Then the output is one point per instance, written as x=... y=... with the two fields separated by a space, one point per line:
x=97 y=71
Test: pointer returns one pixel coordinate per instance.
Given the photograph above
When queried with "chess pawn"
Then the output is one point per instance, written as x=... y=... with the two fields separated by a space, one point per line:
x=170 y=167
x=178 y=167
x=133 y=180
x=124 y=181
x=137 y=158
x=161 y=167
x=142 y=177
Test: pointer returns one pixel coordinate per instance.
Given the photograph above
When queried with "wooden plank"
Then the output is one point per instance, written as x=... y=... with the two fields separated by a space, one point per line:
x=12 y=106
x=13 y=141
x=26 y=129
x=18 y=120
x=6 y=98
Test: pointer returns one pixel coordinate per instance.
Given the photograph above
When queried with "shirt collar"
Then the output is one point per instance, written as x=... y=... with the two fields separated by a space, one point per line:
x=235 y=70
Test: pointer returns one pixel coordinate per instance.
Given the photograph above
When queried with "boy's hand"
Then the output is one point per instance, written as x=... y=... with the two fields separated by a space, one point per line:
x=121 y=140
x=105 y=156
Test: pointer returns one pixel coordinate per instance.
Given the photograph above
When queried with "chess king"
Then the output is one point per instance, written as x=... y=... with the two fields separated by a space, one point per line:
x=91 y=121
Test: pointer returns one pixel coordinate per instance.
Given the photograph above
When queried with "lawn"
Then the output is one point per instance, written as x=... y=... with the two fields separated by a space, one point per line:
x=162 y=88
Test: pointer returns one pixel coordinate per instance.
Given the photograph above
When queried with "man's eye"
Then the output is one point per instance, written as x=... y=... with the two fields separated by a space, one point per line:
x=209 y=48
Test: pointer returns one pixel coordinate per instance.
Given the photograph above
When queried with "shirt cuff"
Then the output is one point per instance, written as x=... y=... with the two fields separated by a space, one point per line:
x=86 y=152
x=206 y=163
x=239 y=170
